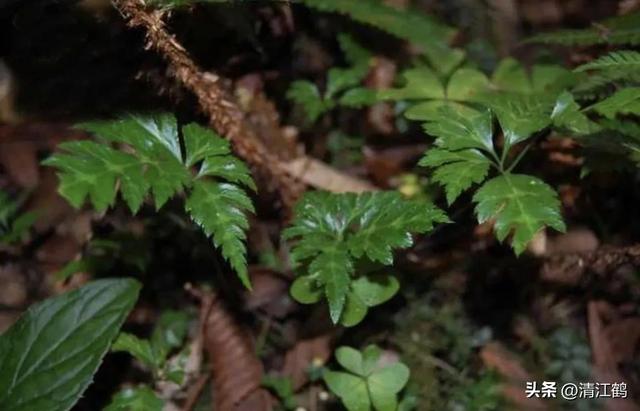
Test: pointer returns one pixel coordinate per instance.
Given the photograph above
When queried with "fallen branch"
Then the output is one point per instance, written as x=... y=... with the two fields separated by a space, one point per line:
x=215 y=100
x=236 y=371
x=571 y=268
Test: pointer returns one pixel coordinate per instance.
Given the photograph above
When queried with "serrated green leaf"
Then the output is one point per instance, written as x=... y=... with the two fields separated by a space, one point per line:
x=339 y=79
x=201 y=143
x=359 y=97
x=308 y=96
x=411 y=25
x=219 y=208
x=140 y=398
x=354 y=52
x=430 y=110
x=510 y=75
x=625 y=101
x=333 y=268
x=228 y=168
x=465 y=83
x=618 y=30
x=566 y=114
x=621 y=60
x=520 y=115
x=520 y=204
x=50 y=355
x=457 y=132
x=169 y=333
x=138 y=348
x=420 y=83
x=457 y=171
x=331 y=230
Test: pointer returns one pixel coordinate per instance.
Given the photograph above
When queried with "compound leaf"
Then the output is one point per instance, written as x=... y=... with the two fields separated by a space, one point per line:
x=622 y=60
x=331 y=231
x=624 y=101
x=220 y=209
x=456 y=171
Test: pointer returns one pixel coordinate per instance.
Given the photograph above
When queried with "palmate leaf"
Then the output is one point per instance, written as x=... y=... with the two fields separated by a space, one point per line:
x=511 y=76
x=141 y=156
x=463 y=145
x=332 y=230
x=520 y=204
x=366 y=384
x=464 y=155
x=424 y=86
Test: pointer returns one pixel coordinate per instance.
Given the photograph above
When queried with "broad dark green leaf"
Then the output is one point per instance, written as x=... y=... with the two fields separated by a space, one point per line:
x=49 y=356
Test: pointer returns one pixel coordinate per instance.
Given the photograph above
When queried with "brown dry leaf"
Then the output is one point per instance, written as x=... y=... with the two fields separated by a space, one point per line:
x=320 y=175
x=496 y=357
x=624 y=335
x=605 y=367
x=302 y=355
x=50 y=206
x=236 y=370
x=58 y=249
x=385 y=164
x=270 y=292
x=13 y=292
x=19 y=159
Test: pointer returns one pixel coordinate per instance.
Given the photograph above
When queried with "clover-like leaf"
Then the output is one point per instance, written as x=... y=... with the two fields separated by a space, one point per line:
x=367 y=384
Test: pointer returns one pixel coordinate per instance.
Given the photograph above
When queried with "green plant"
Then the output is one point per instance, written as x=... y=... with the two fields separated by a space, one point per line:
x=367 y=383
x=135 y=399
x=49 y=356
x=337 y=234
x=616 y=30
x=283 y=388
x=148 y=160
x=13 y=225
x=168 y=334
x=342 y=84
